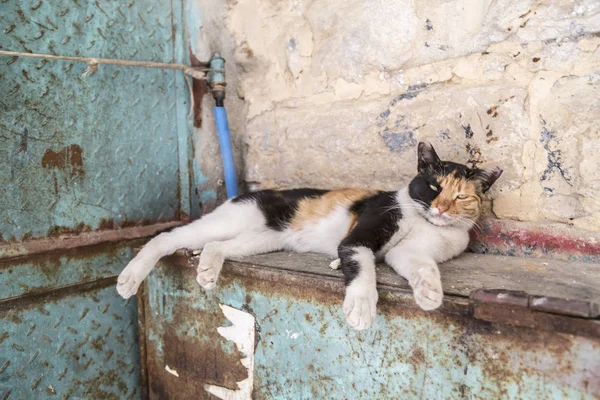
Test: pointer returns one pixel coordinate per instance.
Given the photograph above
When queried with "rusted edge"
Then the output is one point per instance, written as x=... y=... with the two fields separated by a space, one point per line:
x=40 y=298
x=574 y=317
x=30 y=247
x=141 y=308
x=553 y=305
x=499 y=296
x=548 y=304
x=503 y=314
x=491 y=305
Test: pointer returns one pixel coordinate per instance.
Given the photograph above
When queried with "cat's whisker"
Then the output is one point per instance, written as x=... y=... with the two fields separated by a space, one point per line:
x=403 y=206
x=467 y=221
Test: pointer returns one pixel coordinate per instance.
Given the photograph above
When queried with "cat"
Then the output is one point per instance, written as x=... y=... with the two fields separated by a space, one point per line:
x=412 y=229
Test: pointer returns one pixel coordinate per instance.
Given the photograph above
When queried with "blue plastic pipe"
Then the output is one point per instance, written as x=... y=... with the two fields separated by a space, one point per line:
x=226 y=151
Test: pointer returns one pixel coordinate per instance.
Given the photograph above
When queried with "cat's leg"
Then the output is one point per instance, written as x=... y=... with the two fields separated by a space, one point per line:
x=225 y=222
x=246 y=244
x=421 y=272
x=358 y=266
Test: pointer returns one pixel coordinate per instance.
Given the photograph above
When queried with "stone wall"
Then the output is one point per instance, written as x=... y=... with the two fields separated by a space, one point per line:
x=338 y=93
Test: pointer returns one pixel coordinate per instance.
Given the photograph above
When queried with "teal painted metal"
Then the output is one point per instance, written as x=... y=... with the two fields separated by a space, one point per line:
x=45 y=272
x=110 y=150
x=100 y=151
x=305 y=350
x=69 y=345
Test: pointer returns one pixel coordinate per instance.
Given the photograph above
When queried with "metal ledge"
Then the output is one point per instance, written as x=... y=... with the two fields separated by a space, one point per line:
x=25 y=248
x=536 y=293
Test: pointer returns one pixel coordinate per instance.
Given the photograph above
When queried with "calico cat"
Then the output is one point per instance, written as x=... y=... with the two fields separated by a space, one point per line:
x=412 y=229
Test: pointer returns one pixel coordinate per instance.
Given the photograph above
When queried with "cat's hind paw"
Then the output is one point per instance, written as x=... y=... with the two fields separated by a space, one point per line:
x=130 y=279
x=427 y=290
x=360 y=307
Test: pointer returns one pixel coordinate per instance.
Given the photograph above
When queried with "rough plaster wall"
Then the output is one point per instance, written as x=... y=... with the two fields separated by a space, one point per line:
x=338 y=93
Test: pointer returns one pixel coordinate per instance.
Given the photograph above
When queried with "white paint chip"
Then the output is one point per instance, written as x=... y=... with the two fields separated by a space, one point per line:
x=171 y=371
x=540 y=301
x=335 y=264
x=241 y=332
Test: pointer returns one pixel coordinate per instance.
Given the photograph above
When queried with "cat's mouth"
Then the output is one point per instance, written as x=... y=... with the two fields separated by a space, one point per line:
x=439 y=220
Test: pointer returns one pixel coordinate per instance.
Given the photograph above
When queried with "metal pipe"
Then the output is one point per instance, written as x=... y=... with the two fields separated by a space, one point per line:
x=226 y=151
x=217 y=84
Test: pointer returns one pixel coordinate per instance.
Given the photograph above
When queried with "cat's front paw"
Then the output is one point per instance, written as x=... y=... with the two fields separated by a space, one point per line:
x=360 y=306
x=131 y=278
x=207 y=276
x=427 y=289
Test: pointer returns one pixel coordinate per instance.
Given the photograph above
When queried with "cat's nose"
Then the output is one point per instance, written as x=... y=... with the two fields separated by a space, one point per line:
x=442 y=209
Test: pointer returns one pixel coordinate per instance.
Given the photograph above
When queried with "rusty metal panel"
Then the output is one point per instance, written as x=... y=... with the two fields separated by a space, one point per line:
x=304 y=349
x=105 y=151
x=44 y=272
x=70 y=343
x=87 y=156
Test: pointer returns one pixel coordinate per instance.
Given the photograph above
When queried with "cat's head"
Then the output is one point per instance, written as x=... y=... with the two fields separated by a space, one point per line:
x=449 y=193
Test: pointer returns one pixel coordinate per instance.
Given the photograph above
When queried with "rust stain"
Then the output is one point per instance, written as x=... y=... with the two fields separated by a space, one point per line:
x=144 y=222
x=199 y=89
x=51 y=262
x=106 y=224
x=59 y=230
x=417 y=356
x=68 y=159
x=199 y=359
x=504 y=353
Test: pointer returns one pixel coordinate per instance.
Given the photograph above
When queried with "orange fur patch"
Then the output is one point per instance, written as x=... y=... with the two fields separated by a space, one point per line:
x=314 y=209
x=447 y=199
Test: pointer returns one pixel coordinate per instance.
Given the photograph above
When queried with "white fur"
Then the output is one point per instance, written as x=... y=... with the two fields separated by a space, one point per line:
x=441 y=243
x=423 y=239
x=248 y=243
x=415 y=257
x=323 y=236
x=360 y=303
x=226 y=222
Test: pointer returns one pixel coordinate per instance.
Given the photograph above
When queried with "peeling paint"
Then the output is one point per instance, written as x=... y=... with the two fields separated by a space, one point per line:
x=171 y=371
x=242 y=333
x=408 y=353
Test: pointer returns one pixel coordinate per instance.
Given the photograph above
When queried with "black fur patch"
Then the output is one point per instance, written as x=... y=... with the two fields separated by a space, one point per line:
x=376 y=224
x=419 y=188
x=279 y=206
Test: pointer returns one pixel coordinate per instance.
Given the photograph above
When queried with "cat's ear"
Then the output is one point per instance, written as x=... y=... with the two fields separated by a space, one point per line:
x=487 y=177
x=427 y=157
